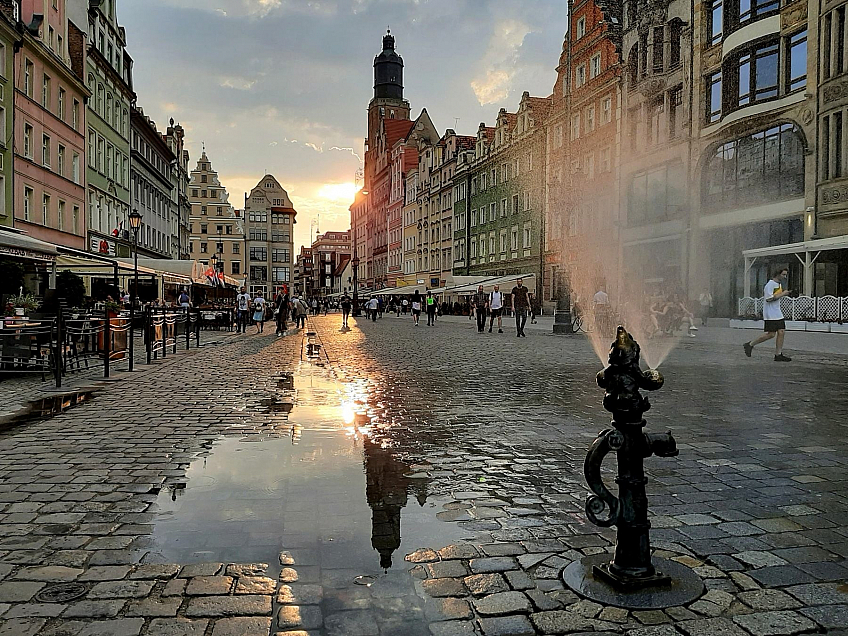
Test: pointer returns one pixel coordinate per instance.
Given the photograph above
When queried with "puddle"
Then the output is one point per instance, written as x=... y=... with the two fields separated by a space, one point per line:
x=322 y=483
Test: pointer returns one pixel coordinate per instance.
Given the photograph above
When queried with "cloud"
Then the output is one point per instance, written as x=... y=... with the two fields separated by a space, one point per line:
x=494 y=82
x=238 y=83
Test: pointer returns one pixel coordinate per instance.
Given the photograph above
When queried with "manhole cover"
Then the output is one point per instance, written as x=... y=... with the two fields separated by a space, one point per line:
x=364 y=580
x=61 y=593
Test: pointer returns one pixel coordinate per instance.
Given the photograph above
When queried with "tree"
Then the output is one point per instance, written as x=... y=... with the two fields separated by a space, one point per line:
x=71 y=287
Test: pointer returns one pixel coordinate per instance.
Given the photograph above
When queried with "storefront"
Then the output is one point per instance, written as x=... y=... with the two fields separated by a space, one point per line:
x=27 y=264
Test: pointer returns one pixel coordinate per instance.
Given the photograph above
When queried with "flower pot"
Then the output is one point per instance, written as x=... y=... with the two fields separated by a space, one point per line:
x=20 y=311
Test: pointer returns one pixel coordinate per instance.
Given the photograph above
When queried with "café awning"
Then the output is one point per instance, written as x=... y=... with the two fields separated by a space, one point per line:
x=16 y=244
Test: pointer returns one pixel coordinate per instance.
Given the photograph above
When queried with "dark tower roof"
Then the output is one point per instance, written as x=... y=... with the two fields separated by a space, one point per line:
x=388 y=71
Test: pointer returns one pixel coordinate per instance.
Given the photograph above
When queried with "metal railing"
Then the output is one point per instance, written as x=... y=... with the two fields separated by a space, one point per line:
x=71 y=341
x=804 y=308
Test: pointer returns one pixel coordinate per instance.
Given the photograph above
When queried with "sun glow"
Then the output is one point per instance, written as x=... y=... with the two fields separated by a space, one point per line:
x=342 y=192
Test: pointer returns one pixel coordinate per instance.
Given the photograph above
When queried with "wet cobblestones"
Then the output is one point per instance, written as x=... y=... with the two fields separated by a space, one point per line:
x=498 y=429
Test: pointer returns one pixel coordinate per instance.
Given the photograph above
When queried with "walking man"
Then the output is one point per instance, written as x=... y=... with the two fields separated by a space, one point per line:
x=416 y=307
x=431 y=309
x=775 y=325
x=373 y=305
x=495 y=309
x=520 y=305
x=282 y=309
x=259 y=312
x=706 y=302
x=346 y=305
x=243 y=304
x=480 y=302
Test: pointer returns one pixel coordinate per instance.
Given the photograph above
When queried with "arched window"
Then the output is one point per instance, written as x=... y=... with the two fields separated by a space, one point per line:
x=125 y=122
x=91 y=82
x=100 y=99
x=109 y=108
x=764 y=166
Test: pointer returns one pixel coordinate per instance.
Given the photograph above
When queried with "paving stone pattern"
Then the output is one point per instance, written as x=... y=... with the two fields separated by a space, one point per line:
x=755 y=503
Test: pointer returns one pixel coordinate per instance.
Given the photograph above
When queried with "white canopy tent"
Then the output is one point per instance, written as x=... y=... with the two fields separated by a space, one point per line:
x=807 y=252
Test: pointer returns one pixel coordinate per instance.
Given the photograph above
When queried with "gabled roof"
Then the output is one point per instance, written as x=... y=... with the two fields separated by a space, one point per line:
x=489 y=132
x=465 y=142
x=396 y=129
x=541 y=107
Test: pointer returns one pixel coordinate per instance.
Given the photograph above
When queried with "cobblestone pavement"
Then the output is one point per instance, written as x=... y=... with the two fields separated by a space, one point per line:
x=489 y=430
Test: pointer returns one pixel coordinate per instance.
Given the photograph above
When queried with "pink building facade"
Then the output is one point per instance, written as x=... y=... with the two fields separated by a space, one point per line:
x=50 y=98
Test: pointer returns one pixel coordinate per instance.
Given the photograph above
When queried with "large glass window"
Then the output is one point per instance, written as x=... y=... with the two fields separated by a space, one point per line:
x=756 y=74
x=754 y=169
x=755 y=9
x=258 y=254
x=656 y=195
x=796 y=67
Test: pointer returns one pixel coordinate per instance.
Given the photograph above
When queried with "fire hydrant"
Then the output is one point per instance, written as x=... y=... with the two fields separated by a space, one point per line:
x=631 y=567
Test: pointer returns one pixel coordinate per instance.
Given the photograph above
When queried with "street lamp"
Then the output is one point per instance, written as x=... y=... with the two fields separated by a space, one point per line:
x=135 y=224
x=214 y=260
x=355 y=263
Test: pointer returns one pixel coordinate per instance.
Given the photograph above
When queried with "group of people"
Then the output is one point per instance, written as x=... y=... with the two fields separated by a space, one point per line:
x=255 y=309
x=492 y=304
x=668 y=314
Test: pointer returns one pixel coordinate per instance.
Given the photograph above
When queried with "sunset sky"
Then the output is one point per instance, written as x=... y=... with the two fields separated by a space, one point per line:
x=283 y=85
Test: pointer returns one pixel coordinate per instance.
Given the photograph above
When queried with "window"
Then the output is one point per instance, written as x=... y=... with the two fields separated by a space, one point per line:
x=527 y=227
x=558 y=137
x=606 y=159
x=580 y=76
x=27 y=203
x=590 y=119
x=655 y=194
x=109 y=108
x=514 y=238
x=61 y=216
x=589 y=165
x=581 y=27
x=280 y=274
x=258 y=272
x=100 y=99
x=503 y=244
x=235 y=267
x=45 y=150
x=606 y=110
x=595 y=65
x=756 y=9
x=515 y=203
x=203 y=248
x=675 y=34
x=756 y=74
x=60 y=160
x=194 y=192
x=204 y=228
x=714 y=97
x=60 y=108
x=575 y=126
x=258 y=253
x=76 y=219
x=763 y=166
x=76 y=168
x=45 y=209
x=280 y=256
x=45 y=93
x=75 y=115
x=236 y=248
x=203 y=179
x=504 y=207
x=473 y=218
x=659 y=49
x=29 y=72
x=51 y=37
x=796 y=63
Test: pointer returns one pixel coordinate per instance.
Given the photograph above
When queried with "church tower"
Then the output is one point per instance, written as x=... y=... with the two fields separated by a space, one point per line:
x=388 y=101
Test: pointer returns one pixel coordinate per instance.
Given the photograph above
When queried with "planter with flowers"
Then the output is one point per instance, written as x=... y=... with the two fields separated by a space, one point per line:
x=18 y=306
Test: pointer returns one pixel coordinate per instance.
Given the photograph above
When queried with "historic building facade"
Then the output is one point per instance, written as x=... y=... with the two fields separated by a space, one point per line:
x=150 y=183
x=109 y=80
x=329 y=250
x=180 y=203
x=9 y=40
x=215 y=227
x=270 y=218
x=49 y=125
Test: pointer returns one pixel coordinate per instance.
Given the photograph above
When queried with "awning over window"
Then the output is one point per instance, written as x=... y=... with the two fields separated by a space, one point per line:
x=18 y=245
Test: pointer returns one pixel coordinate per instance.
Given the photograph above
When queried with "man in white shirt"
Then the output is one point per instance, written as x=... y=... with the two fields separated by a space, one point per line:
x=373 y=304
x=243 y=306
x=496 y=308
x=774 y=324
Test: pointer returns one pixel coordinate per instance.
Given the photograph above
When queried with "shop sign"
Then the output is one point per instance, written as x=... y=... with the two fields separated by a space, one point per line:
x=18 y=252
x=100 y=245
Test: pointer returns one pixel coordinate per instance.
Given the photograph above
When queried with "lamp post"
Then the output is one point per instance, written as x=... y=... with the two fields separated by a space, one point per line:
x=135 y=224
x=214 y=260
x=355 y=263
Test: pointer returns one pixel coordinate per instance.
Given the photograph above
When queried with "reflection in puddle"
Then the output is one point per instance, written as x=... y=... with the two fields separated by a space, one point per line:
x=320 y=482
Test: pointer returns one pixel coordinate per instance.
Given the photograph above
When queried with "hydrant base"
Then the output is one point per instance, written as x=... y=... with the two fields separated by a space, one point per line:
x=678 y=584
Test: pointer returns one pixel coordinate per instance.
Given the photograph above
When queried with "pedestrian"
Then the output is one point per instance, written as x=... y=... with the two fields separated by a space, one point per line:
x=496 y=309
x=397 y=307
x=775 y=325
x=405 y=304
x=314 y=307
x=706 y=302
x=326 y=306
x=280 y=313
x=520 y=305
x=373 y=305
x=259 y=312
x=184 y=300
x=380 y=306
x=480 y=303
x=346 y=305
x=416 y=307
x=431 y=309
x=243 y=305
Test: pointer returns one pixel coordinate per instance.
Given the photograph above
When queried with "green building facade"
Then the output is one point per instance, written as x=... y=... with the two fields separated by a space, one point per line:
x=8 y=37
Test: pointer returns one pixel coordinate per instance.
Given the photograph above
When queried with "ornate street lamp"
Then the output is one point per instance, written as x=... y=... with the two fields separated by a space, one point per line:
x=214 y=260
x=135 y=224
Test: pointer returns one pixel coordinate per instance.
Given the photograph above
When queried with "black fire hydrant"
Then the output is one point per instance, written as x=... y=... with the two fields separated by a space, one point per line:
x=631 y=568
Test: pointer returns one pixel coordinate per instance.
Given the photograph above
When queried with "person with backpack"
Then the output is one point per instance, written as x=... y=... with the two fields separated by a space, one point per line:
x=282 y=312
x=431 y=309
x=259 y=312
x=496 y=309
x=346 y=305
x=184 y=300
x=301 y=308
x=480 y=302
